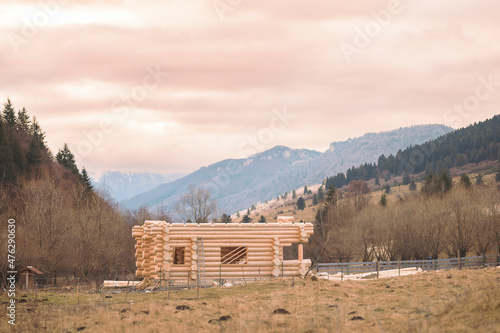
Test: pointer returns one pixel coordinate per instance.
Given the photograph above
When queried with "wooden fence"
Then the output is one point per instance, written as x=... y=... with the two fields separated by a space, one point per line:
x=426 y=265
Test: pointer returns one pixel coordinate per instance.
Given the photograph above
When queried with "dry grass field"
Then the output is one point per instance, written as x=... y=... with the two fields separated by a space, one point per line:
x=443 y=301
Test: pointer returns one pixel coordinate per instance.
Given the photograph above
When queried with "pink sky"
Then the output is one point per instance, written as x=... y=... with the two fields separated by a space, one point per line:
x=226 y=68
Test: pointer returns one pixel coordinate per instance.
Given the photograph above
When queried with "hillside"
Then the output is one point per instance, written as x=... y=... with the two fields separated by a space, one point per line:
x=238 y=183
x=124 y=185
x=61 y=224
x=397 y=193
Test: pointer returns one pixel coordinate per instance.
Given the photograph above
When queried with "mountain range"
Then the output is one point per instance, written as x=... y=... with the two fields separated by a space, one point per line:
x=238 y=183
x=125 y=185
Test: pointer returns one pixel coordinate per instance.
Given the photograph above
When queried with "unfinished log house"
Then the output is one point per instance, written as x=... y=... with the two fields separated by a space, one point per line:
x=219 y=250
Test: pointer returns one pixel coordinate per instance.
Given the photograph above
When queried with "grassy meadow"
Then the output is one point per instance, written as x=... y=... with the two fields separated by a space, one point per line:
x=443 y=301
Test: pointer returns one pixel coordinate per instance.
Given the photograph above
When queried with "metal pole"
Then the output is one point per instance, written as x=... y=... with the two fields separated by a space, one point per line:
x=198 y=289
x=169 y=287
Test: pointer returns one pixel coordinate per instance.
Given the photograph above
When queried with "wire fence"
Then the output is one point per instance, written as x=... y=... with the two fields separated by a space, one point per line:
x=426 y=265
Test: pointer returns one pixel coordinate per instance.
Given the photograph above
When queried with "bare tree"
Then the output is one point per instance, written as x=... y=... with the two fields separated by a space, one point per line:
x=196 y=205
x=358 y=193
x=463 y=214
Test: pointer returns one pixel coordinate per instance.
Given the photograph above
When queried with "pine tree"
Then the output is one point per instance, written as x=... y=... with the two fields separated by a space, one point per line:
x=465 y=181
x=383 y=200
x=9 y=115
x=305 y=190
x=7 y=166
x=225 y=218
x=34 y=155
x=37 y=133
x=246 y=219
x=301 y=204
x=253 y=207
x=23 y=121
x=86 y=181
x=445 y=182
x=413 y=186
x=428 y=186
x=315 y=199
x=18 y=156
x=286 y=195
x=65 y=157
x=248 y=211
x=238 y=214
x=331 y=196
x=321 y=194
x=377 y=180
x=387 y=177
x=406 y=179
x=294 y=195
x=262 y=219
x=387 y=188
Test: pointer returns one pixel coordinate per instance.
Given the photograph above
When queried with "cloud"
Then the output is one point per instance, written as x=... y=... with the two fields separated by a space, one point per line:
x=226 y=76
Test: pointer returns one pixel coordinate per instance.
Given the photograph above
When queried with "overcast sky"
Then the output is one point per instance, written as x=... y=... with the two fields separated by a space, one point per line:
x=170 y=86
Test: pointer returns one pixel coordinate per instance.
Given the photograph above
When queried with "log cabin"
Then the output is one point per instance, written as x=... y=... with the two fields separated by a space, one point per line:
x=219 y=250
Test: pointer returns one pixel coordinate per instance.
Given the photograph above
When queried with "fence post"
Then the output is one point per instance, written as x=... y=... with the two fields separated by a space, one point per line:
x=399 y=267
x=484 y=260
x=459 y=261
x=435 y=265
x=377 y=270
x=348 y=268
x=341 y=271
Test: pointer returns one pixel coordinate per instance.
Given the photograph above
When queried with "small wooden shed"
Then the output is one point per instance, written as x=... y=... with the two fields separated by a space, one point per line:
x=28 y=276
x=222 y=250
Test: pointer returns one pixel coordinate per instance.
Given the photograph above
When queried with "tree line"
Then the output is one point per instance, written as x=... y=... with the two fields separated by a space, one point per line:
x=437 y=222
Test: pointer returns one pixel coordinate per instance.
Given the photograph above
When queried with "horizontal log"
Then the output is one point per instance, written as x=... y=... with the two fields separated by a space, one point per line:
x=218 y=244
x=235 y=232
x=236 y=275
x=189 y=226
x=230 y=268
